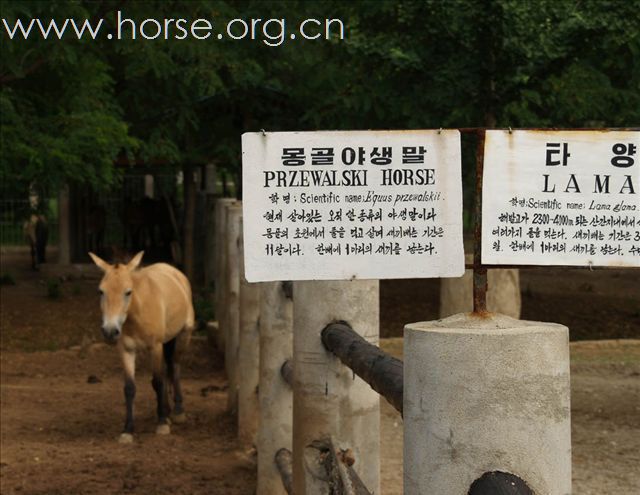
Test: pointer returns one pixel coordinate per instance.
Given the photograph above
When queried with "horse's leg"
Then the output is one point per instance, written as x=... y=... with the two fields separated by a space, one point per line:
x=129 y=364
x=180 y=344
x=169 y=350
x=159 y=384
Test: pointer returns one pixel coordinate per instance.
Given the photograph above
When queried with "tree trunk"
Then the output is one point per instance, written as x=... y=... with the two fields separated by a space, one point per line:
x=189 y=221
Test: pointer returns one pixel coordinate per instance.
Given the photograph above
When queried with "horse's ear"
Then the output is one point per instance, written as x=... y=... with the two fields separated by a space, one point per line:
x=135 y=261
x=102 y=264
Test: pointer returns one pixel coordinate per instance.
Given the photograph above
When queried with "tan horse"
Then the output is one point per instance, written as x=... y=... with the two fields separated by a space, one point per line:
x=147 y=308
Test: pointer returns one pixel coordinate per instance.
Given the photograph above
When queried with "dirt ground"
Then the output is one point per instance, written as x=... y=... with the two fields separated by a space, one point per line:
x=58 y=431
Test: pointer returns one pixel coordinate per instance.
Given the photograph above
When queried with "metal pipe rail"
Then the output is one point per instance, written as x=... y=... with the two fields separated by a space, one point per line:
x=286 y=371
x=341 y=477
x=381 y=371
x=499 y=483
x=284 y=461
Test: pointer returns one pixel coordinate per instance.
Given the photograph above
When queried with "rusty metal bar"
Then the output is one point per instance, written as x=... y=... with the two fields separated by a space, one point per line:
x=339 y=468
x=341 y=478
x=475 y=130
x=284 y=461
x=383 y=372
x=479 y=271
x=286 y=371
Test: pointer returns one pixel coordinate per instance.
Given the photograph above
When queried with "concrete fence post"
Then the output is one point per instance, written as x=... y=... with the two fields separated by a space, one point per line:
x=231 y=327
x=276 y=398
x=503 y=295
x=485 y=395
x=329 y=401
x=248 y=357
x=220 y=268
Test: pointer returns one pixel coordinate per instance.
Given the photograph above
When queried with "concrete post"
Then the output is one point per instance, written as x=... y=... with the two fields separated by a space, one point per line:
x=482 y=395
x=503 y=294
x=276 y=398
x=329 y=400
x=149 y=186
x=64 y=232
x=221 y=268
x=231 y=326
x=248 y=358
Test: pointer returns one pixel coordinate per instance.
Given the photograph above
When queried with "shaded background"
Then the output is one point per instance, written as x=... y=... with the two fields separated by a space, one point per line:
x=127 y=134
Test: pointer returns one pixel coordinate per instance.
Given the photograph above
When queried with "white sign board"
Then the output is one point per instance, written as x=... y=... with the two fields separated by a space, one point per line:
x=561 y=198
x=352 y=205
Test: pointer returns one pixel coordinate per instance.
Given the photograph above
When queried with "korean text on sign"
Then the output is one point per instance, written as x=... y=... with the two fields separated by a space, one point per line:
x=352 y=205
x=561 y=198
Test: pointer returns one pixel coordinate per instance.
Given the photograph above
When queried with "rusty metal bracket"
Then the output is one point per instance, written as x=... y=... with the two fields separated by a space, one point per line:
x=479 y=272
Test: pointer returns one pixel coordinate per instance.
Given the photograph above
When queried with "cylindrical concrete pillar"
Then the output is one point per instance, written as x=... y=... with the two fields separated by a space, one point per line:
x=503 y=292
x=220 y=268
x=231 y=327
x=482 y=395
x=276 y=397
x=248 y=358
x=149 y=186
x=329 y=400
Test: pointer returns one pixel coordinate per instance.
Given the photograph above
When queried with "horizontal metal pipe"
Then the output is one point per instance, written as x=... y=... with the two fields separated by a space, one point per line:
x=284 y=461
x=383 y=372
x=286 y=370
x=499 y=483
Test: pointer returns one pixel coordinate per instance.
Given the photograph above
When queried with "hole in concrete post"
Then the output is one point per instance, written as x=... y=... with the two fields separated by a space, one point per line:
x=499 y=483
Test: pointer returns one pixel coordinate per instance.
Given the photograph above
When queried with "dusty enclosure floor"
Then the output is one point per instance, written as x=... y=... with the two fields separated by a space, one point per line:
x=58 y=432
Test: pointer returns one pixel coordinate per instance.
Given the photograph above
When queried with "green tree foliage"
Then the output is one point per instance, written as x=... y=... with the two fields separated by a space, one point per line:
x=69 y=109
x=59 y=116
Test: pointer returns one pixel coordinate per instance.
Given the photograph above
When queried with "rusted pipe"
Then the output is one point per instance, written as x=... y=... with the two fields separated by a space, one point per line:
x=383 y=372
x=286 y=370
x=499 y=483
x=283 y=461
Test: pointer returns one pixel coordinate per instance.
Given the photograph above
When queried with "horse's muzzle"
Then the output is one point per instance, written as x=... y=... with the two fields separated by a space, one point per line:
x=111 y=335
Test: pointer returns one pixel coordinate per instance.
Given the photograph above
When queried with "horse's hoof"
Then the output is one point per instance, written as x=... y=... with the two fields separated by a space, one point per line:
x=179 y=418
x=163 y=429
x=125 y=438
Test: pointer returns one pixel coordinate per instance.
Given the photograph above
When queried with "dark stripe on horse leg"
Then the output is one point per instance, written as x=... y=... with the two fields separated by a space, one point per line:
x=181 y=343
x=159 y=385
x=177 y=390
x=169 y=350
x=169 y=353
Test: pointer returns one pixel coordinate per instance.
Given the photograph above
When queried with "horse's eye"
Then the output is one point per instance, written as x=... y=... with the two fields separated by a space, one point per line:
x=101 y=292
x=128 y=292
